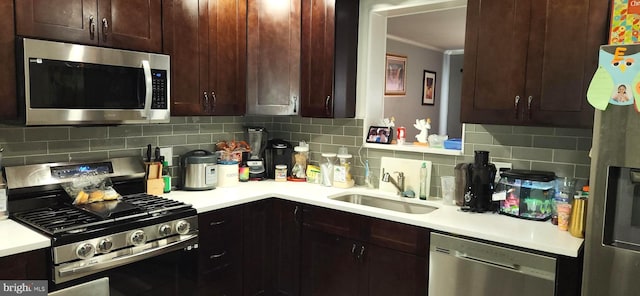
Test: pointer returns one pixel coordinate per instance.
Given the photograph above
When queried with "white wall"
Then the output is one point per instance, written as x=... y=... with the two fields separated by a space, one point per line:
x=406 y=109
x=371 y=49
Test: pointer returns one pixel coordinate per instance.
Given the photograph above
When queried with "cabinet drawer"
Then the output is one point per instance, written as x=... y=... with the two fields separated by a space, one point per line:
x=212 y=260
x=225 y=280
x=220 y=238
x=219 y=228
x=399 y=236
x=334 y=222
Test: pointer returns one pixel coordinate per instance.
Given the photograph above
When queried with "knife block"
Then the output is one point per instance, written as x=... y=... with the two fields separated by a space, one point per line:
x=154 y=181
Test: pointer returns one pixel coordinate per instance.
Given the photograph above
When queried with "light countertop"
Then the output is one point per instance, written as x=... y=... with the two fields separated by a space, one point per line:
x=16 y=238
x=541 y=236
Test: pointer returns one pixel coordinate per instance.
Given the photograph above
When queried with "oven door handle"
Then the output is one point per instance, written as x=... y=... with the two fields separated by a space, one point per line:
x=122 y=260
x=148 y=83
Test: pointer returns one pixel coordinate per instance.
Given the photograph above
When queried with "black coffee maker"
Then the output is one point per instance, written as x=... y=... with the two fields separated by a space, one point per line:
x=480 y=179
x=278 y=151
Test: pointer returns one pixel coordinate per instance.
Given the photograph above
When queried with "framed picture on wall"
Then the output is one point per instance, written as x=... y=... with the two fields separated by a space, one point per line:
x=428 y=87
x=395 y=78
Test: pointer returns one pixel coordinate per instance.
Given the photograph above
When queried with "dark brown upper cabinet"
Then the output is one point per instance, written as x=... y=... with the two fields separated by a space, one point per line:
x=7 y=56
x=128 y=24
x=533 y=64
x=207 y=43
x=328 y=58
x=273 y=44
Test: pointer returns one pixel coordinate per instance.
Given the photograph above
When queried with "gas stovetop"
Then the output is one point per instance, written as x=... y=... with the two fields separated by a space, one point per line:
x=65 y=220
x=38 y=200
x=92 y=238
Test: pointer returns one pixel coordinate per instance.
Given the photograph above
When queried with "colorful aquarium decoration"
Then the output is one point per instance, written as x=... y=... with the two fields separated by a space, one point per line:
x=526 y=194
x=625 y=22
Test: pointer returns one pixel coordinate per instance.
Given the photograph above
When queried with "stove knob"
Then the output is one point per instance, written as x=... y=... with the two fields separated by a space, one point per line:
x=164 y=230
x=105 y=245
x=182 y=227
x=85 y=250
x=138 y=238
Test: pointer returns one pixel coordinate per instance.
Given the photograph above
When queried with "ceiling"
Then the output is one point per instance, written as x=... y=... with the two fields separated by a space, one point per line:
x=439 y=30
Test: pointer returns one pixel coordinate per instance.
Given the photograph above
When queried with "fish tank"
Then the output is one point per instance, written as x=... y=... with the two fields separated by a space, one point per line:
x=526 y=194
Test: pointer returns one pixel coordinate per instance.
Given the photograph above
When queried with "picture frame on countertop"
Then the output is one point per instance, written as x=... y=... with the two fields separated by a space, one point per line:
x=380 y=134
x=395 y=77
x=428 y=87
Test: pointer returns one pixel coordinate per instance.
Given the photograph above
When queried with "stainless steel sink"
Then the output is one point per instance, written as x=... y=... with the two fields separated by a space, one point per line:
x=377 y=202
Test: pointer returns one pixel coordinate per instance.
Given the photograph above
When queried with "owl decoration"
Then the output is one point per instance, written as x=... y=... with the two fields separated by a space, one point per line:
x=617 y=80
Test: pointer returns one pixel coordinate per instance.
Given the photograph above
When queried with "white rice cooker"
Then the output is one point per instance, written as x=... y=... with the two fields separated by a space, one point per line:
x=199 y=170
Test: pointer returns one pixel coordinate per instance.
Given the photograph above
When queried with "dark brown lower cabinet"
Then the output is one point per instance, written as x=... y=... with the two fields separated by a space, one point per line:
x=30 y=265
x=393 y=272
x=271 y=248
x=287 y=241
x=380 y=258
x=279 y=247
x=329 y=264
x=220 y=252
x=257 y=260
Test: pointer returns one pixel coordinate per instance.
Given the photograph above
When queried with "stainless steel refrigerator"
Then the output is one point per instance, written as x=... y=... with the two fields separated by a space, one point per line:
x=612 y=242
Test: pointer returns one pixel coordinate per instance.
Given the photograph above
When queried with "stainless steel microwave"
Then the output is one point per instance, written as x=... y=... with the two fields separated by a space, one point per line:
x=71 y=84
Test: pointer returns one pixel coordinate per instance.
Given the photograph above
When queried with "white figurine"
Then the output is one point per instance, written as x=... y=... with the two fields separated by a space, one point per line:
x=423 y=126
x=388 y=122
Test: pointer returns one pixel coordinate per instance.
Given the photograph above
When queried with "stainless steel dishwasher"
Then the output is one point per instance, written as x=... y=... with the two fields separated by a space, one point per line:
x=462 y=267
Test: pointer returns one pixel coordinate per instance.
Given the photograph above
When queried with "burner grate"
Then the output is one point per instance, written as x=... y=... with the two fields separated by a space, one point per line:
x=153 y=204
x=66 y=219
x=53 y=221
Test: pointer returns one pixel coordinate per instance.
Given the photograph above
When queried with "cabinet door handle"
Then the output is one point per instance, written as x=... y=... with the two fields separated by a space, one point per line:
x=517 y=102
x=92 y=27
x=295 y=104
x=213 y=97
x=105 y=28
x=529 y=105
x=326 y=105
x=353 y=251
x=216 y=223
x=296 y=215
x=216 y=256
x=205 y=102
x=360 y=254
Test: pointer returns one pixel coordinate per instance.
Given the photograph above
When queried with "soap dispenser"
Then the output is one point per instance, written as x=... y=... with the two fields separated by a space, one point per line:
x=423 y=181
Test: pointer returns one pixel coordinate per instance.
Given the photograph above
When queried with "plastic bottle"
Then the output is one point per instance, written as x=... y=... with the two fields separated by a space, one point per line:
x=166 y=177
x=423 y=181
x=300 y=161
x=367 y=175
x=243 y=172
x=326 y=169
x=342 y=171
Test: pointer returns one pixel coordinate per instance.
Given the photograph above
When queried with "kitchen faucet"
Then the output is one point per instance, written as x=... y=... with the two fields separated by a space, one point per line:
x=386 y=177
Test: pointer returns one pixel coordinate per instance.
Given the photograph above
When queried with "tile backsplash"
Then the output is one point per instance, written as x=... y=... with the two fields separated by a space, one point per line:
x=562 y=150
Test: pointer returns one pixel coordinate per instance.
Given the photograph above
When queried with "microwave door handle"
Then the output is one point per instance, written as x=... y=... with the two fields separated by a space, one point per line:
x=148 y=88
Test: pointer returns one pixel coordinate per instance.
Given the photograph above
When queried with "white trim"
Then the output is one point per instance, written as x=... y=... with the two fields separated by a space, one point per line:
x=454 y=51
x=415 y=43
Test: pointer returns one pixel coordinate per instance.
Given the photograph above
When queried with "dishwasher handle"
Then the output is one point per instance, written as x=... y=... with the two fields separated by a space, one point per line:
x=464 y=256
x=494 y=256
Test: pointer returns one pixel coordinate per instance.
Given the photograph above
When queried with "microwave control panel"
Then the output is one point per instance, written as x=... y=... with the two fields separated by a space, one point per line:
x=160 y=91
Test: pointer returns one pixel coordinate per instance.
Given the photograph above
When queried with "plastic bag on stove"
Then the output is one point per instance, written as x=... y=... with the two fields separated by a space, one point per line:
x=90 y=188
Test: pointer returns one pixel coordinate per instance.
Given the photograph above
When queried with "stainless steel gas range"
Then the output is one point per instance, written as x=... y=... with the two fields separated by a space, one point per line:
x=145 y=244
